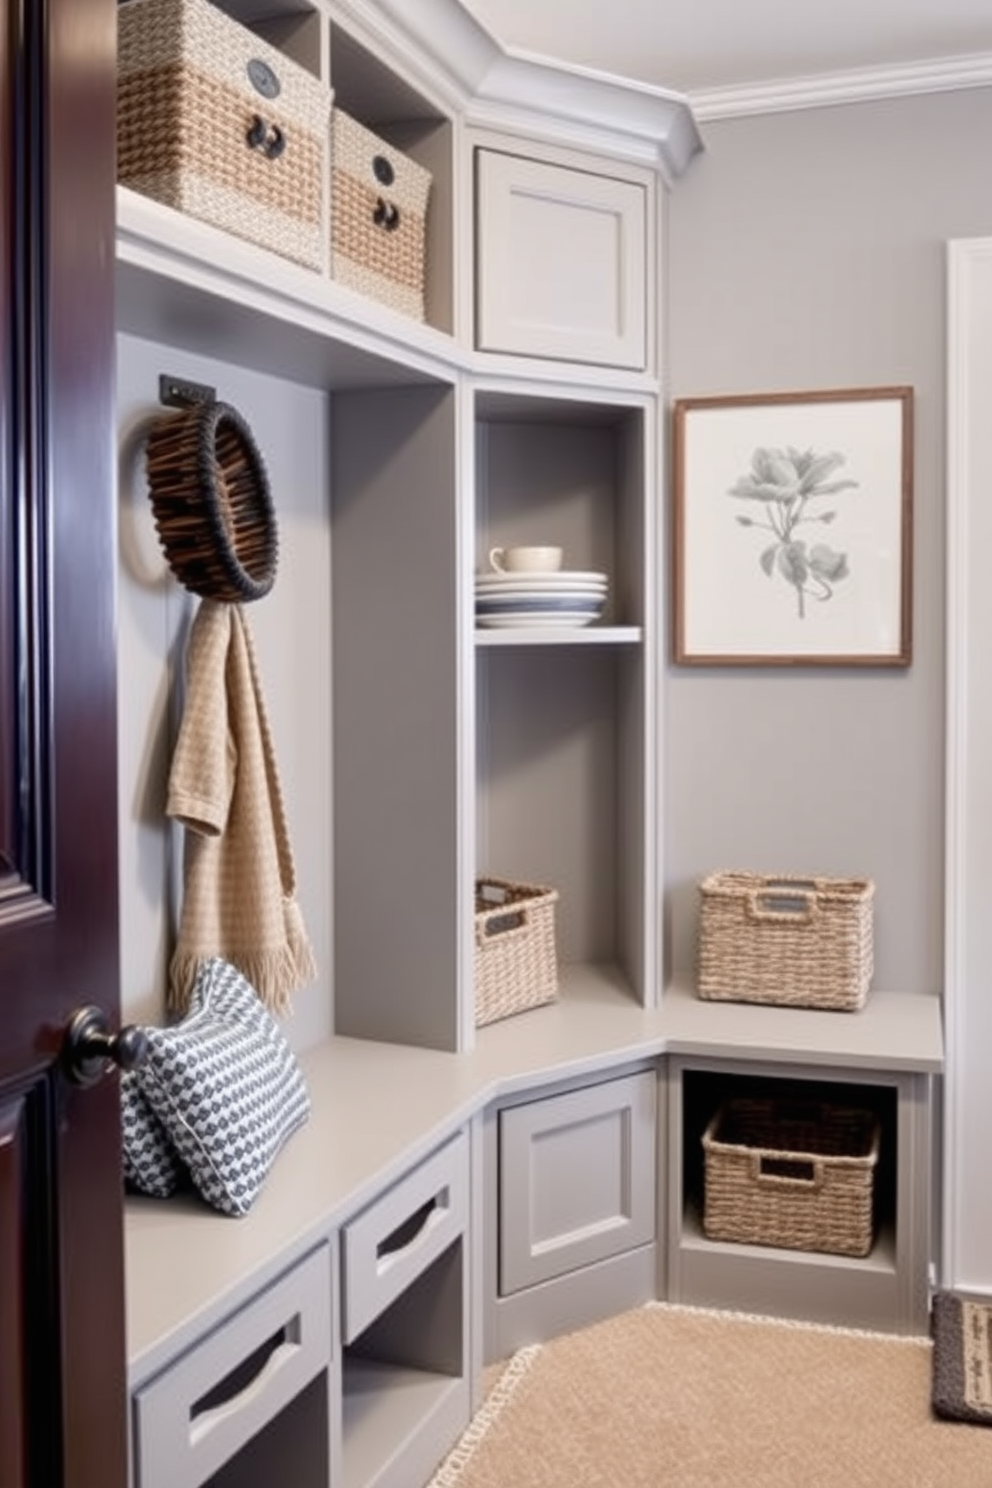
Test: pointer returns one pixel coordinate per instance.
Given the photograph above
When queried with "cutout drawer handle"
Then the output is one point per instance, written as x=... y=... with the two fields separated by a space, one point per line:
x=411 y=1230
x=245 y=1384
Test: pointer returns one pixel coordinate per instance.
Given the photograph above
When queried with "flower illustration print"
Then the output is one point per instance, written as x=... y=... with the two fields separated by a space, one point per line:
x=785 y=484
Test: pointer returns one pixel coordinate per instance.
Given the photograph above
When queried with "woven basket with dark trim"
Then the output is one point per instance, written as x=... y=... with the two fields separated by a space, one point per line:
x=379 y=200
x=213 y=508
x=218 y=124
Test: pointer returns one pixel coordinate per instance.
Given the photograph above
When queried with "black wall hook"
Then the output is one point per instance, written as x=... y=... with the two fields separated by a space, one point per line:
x=179 y=392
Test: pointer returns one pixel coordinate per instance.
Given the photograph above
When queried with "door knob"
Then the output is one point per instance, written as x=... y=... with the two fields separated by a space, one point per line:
x=89 y=1047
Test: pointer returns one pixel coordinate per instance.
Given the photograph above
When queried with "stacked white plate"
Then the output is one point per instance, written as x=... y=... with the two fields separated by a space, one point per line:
x=563 y=598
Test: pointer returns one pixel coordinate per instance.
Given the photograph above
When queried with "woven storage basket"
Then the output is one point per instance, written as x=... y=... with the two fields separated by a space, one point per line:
x=216 y=123
x=798 y=942
x=516 y=964
x=793 y=1174
x=378 y=217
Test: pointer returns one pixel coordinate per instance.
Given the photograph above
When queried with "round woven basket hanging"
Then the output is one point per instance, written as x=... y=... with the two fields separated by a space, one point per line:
x=212 y=504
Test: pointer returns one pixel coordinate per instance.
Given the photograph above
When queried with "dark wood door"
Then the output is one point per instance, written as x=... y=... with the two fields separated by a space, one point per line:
x=62 y=1418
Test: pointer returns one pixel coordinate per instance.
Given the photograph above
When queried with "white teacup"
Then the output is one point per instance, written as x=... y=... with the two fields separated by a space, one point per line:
x=525 y=560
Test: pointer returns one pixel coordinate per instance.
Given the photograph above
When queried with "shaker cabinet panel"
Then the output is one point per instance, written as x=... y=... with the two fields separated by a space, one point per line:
x=561 y=262
x=577 y=1179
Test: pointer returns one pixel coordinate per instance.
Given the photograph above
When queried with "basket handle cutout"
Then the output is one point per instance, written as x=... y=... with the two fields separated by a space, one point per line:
x=502 y=927
x=783 y=903
x=792 y=1172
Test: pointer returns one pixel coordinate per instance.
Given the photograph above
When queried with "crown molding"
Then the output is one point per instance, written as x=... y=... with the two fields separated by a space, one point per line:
x=858 y=85
x=441 y=42
x=640 y=120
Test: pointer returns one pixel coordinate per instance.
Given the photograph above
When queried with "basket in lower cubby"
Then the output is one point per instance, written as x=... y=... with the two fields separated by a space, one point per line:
x=796 y=1174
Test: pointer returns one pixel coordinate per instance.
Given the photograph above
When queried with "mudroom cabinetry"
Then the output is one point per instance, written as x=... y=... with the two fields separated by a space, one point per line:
x=883 y=1061
x=571 y=1195
x=422 y=727
x=456 y=1191
x=562 y=261
x=413 y=750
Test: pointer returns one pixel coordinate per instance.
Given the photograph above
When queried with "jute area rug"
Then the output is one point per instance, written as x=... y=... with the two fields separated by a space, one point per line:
x=674 y=1397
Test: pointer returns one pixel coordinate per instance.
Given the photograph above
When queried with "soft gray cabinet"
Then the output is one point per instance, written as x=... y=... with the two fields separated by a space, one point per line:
x=195 y=1417
x=573 y=1209
x=405 y=1386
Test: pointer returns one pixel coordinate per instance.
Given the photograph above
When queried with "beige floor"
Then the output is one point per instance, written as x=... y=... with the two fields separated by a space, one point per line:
x=668 y=1397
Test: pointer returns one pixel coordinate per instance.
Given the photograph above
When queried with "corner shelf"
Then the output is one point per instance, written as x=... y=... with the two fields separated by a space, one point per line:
x=606 y=635
x=887 y=1055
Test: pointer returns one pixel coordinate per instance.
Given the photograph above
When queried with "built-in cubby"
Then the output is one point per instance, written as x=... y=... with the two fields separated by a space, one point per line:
x=410 y=120
x=336 y=46
x=705 y=1092
x=405 y=1384
x=293 y=1448
x=564 y=717
x=881 y=1061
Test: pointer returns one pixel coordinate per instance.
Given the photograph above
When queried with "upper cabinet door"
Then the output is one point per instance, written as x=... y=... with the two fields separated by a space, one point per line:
x=561 y=262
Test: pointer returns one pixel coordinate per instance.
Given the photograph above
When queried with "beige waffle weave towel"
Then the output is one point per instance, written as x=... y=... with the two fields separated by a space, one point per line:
x=239 y=890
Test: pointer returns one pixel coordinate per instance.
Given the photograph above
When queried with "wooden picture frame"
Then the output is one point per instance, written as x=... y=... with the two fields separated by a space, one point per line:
x=792 y=529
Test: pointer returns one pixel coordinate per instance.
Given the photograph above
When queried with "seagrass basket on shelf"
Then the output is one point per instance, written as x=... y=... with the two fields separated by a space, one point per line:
x=216 y=123
x=379 y=198
x=794 y=1174
x=516 y=960
x=783 y=939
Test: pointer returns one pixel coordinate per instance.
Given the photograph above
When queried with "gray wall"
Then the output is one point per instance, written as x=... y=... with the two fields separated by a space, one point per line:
x=807 y=250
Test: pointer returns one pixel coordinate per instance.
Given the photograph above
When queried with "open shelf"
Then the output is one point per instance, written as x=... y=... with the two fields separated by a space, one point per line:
x=885 y=1289
x=704 y=1091
x=200 y=289
x=564 y=718
x=292 y=1448
x=881 y=1259
x=593 y=635
x=405 y=1380
x=559 y=790
x=386 y=1408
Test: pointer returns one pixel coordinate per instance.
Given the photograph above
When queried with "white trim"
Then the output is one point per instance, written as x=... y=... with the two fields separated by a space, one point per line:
x=858 y=85
x=543 y=95
x=794 y=1325
x=963 y=1104
x=955 y=740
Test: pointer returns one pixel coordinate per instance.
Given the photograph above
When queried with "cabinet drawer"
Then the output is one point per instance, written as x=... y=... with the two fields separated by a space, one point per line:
x=196 y=1414
x=576 y=1179
x=562 y=262
x=387 y=1247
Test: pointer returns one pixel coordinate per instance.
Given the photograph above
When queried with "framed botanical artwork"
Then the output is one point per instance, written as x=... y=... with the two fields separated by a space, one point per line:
x=792 y=532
